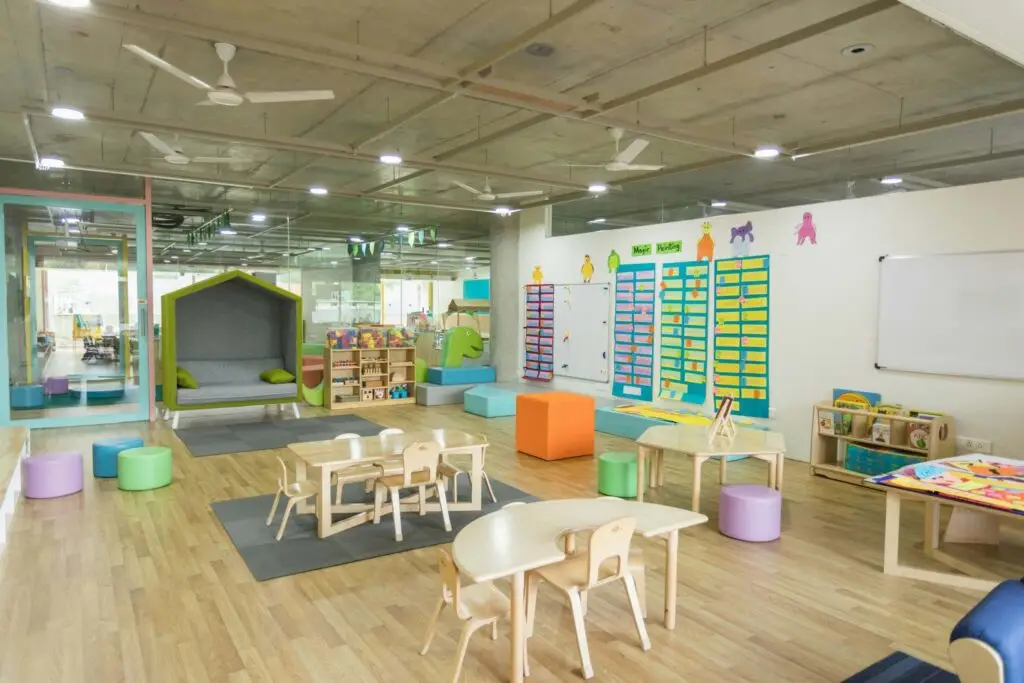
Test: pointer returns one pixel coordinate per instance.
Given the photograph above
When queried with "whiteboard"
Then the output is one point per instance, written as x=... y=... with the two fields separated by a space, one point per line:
x=582 y=331
x=953 y=314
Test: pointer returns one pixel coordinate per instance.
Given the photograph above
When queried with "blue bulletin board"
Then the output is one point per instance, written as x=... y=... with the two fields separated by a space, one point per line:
x=741 y=334
x=684 y=331
x=634 y=332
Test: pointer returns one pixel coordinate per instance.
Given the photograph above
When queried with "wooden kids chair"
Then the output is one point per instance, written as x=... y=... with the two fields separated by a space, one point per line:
x=451 y=474
x=389 y=467
x=419 y=470
x=479 y=605
x=606 y=561
x=357 y=473
x=295 y=491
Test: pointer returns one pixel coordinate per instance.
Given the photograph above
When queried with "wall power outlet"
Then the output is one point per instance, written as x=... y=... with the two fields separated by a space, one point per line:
x=972 y=444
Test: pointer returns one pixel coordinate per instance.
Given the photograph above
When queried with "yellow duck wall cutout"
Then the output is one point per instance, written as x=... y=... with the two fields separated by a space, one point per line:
x=538 y=275
x=587 y=269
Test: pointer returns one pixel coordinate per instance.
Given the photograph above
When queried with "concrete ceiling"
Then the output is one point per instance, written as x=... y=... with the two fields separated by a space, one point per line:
x=451 y=86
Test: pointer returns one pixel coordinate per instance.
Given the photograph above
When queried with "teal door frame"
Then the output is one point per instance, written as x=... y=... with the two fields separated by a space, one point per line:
x=133 y=412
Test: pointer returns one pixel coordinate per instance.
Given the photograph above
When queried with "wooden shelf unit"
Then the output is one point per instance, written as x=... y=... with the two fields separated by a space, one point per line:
x=828 y=451
x=352 y=375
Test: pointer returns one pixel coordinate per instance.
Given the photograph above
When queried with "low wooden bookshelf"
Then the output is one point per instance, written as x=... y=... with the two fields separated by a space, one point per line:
x=828 y=451
x=360 y=378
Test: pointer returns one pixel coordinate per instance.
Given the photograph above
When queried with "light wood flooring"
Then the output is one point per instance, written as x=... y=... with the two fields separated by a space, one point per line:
x=109 y=586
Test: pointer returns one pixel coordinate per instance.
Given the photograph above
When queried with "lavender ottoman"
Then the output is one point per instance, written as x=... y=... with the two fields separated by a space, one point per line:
x=54 y=386
x=51 y=475
x=748 y=512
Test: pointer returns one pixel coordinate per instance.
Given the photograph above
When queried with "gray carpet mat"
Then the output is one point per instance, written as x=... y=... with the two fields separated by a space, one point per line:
x=242 y=437
x=300 y=550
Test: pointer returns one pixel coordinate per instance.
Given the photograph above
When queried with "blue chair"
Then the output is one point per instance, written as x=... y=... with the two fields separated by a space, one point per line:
x=104 y=454
x=987 y=645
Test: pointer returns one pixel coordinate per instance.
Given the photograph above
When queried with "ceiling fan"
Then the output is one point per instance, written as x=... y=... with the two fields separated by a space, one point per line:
x=623 y=160
x=225 y=93
x=489 y=195
x=175 y=155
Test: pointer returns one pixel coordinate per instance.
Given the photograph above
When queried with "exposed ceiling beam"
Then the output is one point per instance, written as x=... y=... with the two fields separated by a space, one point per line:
x=292 y=144
x=913 y=128
x=397 y=181
x=754 y=52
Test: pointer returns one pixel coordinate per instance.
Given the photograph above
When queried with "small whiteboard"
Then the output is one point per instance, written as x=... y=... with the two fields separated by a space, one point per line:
x=582 y=331
x=953 y=314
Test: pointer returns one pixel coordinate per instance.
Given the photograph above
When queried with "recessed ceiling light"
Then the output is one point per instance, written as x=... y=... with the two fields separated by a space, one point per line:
x=857 y=50
x=597 y=188
x=186 y=251
x=443 y=245
x=593 y=221
x=167 y=260
x=67 y=113
x=503 y=211
x=334 y=263
x=227 y=231
x=392 y=159
x=258 y=217
x=47 y=163
x=70 y=3
x=71 y=220
x=113 y=251
x=433 y=263
x=202 y=244
x=244 y=264
x=766 y=152
x=355 y=239
x=891 y=180
x=471 y=258
x=402 y=228
x=718 y=204
x=317 y=190
x=73 y=231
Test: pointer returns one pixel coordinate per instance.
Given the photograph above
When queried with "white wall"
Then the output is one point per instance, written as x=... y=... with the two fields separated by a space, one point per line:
x=824 y=297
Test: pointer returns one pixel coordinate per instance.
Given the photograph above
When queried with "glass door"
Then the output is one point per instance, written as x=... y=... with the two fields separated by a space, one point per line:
x=78 y=332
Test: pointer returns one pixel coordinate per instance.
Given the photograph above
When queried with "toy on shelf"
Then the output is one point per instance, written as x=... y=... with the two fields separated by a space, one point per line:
x=372 y=338
x=342 y=338
x=400 y=391
x=380 y=393
x=401 y=337
x=367 y=394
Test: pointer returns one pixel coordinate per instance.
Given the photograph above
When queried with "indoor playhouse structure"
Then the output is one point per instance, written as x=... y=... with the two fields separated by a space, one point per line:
x=225 y=332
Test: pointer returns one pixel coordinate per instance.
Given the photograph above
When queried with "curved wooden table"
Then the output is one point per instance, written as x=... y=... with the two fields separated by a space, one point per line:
x=338 y=454
x=693 y=441
x=519 y=538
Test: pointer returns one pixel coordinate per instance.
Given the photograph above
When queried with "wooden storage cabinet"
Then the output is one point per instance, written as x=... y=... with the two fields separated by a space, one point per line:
x=369 y=377
x=828 y=451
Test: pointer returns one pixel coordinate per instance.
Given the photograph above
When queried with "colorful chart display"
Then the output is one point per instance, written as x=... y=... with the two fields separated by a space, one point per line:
x=684 y=331
x=741 y=334
x=633 y=349
x=540 y=333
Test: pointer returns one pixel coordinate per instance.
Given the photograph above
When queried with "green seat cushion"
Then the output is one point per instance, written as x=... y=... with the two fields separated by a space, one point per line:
x=616 y=474
x=186 y=380
x=277 y=376
x=142 y=469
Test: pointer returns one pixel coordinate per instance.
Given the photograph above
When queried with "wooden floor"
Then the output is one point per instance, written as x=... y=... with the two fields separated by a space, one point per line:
x=110 y=586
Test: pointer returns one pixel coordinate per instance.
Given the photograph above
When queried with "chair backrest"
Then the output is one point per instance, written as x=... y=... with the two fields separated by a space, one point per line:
x=483 y=449
x=609 y=542
x=347 y=435
x=451 y=582
x=390 y=430
x=282 y=481
x=418 y=457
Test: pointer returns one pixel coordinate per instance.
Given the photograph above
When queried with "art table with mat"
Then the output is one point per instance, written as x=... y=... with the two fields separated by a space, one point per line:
x=981 y=489
x=336 y=455
x=696 y=442
x=520 y=538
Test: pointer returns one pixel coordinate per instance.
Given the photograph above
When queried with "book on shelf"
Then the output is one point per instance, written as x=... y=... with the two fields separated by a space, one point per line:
x=826 y=422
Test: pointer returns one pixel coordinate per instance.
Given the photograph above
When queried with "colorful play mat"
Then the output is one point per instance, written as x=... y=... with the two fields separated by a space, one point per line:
x=983 y=480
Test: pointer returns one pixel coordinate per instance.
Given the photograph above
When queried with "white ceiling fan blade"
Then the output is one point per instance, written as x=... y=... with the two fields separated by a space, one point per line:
x=467 y=188
x=168 y=67
x=511 y=195
x=157 y=144
x=289 y=96
x=633 y=151
x=219 y=160
x=640 y=167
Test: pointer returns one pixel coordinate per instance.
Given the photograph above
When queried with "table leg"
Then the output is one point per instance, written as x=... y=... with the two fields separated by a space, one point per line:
x=517 y=637
x=891 y=557
x=671 y=568
x=641 y=457
x=698 y=464
x=722 y=462
x=476 y=478
x=773 y=473
x=931 y=527
x=324 y=504
x=781 y=458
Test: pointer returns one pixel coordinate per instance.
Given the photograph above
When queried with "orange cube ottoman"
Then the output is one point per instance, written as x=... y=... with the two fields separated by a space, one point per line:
x=555 y=425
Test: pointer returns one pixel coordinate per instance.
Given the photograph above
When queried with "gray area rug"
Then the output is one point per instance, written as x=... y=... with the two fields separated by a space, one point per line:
x=300 y=550
x=242 y=437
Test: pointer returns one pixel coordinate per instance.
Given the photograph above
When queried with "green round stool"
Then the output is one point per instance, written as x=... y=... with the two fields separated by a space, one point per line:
x=616 y=474
x=142 y=469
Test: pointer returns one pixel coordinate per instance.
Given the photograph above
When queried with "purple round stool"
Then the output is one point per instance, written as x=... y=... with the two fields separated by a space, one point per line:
x=54 y=386
x=748 y=512
x=51 y=475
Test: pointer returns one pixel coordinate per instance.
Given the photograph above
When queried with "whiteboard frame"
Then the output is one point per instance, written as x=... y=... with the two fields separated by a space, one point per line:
x=878 y=310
